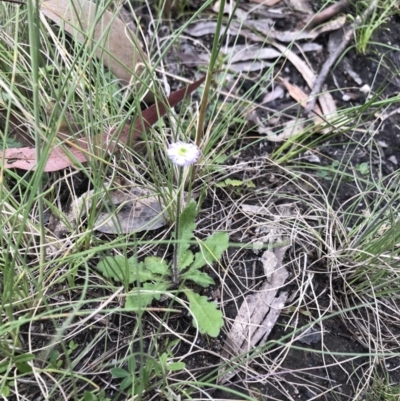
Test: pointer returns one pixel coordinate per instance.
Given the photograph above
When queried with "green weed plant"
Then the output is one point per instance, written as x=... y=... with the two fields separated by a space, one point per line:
x=152 y=276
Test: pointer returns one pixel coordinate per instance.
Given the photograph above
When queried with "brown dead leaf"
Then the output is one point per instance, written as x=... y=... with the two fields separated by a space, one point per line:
x=326 y=101
x=25 y=158
x=115 y=44
x=297 y=94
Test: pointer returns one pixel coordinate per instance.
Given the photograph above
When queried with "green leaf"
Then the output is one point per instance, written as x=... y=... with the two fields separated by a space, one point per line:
x=4 y=366
x=186 y=227
x=250 y=184
x=5 y=392
x=176 y=366
x=211 y=250
x=119 y=373
x=73 y=345
x=363 y=168
x=208 y=318
x=233 y=183
x=199 y=278
x=23 y=367
x=24 y=358
x=163 y=359
x=156 y=265
x=132 y=364
x=88 y=396
x=122 y=269
x=127 y=382
x=132 y=300
x=186 y=260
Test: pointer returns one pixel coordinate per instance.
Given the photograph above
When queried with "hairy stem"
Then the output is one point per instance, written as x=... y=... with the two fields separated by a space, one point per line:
x=175 y=267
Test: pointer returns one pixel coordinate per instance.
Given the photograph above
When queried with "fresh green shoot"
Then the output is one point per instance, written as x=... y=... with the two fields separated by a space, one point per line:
x=378 y=18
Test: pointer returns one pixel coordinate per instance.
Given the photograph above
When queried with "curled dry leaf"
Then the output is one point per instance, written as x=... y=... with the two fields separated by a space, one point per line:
x=276 y=93
x=88 y=22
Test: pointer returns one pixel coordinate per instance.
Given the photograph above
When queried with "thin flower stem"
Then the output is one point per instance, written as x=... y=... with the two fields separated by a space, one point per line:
x=175 y=267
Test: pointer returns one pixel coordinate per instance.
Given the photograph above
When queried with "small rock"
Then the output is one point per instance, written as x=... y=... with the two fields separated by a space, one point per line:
x=365 y=89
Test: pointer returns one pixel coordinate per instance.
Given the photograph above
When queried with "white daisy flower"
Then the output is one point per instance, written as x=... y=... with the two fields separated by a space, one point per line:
x=183 y=154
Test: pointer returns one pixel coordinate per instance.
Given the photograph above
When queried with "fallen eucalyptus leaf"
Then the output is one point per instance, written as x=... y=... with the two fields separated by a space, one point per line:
x=136 y=209
x=250 y=52
x=291 y=36
x=326 y=101
x=204 y=28
x=123 y=210
x=115 y=45
x=302 y=6
x=248 y=66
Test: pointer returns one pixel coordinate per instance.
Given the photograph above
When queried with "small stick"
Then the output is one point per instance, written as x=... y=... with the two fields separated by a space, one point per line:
x=327 y=14
x=348 y=33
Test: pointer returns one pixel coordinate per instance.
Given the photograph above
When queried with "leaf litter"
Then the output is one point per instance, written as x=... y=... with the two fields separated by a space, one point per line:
x=259 y=311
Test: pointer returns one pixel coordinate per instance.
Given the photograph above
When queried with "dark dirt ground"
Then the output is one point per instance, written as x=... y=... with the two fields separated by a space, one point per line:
x=303 y=374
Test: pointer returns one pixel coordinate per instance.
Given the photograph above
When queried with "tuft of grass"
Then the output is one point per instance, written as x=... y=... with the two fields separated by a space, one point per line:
x=379 y=17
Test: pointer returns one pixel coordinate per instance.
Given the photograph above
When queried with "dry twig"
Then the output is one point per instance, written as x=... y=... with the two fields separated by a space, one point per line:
x=348 y=34
x=327 y=14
